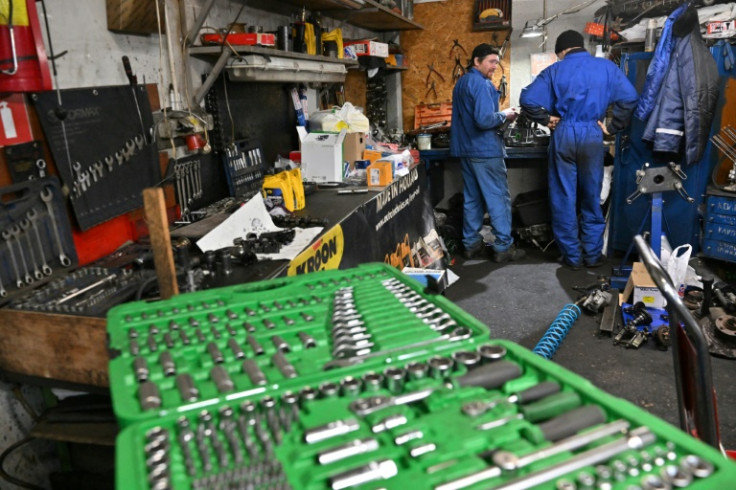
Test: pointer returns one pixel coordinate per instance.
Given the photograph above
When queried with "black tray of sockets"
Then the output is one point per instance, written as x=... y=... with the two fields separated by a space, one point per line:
x=88 y=291
x=243 y=163
x=421 y=412
x=35 y=235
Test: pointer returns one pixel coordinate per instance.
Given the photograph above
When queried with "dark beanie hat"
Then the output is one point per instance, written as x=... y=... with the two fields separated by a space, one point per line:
x=481 y=51
x=569 y=39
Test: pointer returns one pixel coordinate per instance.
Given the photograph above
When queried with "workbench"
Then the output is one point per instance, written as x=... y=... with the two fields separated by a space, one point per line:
x=435 y=159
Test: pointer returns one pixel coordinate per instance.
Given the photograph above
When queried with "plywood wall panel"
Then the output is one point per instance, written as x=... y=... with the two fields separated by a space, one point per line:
x=355 y=87
x=443 y=22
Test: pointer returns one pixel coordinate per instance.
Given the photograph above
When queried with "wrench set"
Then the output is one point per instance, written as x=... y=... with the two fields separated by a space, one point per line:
x=243 y=168
x=35 y=237
x=188 y=183
x=101 y=145
x=339 y=379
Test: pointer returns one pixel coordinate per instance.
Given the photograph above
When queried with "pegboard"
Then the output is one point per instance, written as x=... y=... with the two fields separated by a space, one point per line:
x=443 y=22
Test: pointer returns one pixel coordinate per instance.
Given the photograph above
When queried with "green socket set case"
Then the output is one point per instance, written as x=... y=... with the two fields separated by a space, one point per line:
x=339 y=379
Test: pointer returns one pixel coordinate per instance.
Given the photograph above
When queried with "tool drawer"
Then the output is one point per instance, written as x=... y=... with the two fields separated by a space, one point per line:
x=392 y=388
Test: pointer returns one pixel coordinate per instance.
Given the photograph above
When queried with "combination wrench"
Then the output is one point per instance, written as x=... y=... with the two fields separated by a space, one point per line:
x=46 y=196
x=25 y=225
x=15 y=233
x=32 y=215
x=6 y=236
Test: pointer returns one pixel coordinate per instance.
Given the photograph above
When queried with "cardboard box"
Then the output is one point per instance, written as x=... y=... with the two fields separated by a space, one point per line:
x=365 y=47
x=352 y=148
x=322 y=156
x=641 y=287
x=379 y=174
x=133 y=16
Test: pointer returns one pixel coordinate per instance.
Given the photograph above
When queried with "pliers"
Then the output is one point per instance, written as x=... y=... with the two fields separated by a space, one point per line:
x=429 y=74
x=431 y=89
x=458 y=70
x=456 y=44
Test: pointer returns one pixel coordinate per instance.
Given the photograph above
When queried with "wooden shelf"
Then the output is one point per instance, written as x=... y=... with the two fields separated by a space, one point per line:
x=372 y=16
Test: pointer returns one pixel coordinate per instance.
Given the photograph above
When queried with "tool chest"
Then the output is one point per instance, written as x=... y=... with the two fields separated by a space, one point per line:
x=358 y=377
x=719 y=236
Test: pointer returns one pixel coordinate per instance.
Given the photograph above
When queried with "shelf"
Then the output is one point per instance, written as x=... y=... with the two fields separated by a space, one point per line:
x=223 y=55
x=372 y=16
x=211 y=51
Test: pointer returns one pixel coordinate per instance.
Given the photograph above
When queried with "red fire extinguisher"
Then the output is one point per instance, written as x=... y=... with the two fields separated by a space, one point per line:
x=23 y=63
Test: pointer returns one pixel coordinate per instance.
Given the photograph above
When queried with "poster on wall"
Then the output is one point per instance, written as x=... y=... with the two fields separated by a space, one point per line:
x=540 y=61
x=396 y=227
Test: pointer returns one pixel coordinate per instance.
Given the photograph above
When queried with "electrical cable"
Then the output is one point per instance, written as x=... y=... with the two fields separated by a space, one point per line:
x=229 y=112
x=11 y=479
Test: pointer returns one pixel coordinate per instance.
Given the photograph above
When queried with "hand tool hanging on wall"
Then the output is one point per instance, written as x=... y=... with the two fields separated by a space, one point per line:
x=134 y=86
x=429 y=74
x=431 y=89
x=458 y=70
x=456 y=44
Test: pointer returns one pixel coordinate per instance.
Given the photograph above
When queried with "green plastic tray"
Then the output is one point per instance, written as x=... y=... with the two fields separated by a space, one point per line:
x=261 y=436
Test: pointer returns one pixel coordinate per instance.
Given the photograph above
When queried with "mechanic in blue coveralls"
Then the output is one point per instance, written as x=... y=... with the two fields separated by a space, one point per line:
x=476 y=141
x=571 y=98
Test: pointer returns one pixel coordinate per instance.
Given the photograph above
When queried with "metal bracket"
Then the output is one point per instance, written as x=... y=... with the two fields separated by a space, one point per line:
x=650 y=180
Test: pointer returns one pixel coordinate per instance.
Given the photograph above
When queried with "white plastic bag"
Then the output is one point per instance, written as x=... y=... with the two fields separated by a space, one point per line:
x=676 y=264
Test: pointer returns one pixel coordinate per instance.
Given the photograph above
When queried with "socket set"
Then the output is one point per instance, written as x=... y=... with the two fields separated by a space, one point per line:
x=243 y=168
x=89 y=291
x=344 y=378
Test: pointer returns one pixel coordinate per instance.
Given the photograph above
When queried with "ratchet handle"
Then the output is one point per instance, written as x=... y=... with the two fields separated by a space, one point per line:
x=537 y=392
x=572 y=422
x=551 y=406
x=492 y=375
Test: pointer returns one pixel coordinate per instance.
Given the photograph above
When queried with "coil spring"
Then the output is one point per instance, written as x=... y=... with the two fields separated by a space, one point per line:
x=557 y=331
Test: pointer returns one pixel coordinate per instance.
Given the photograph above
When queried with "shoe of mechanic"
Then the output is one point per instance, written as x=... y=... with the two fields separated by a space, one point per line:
x=480 y=251
x=510 y=255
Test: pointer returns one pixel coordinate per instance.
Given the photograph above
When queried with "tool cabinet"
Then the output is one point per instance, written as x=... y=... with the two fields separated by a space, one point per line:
x=719 y=237
x=358 y=377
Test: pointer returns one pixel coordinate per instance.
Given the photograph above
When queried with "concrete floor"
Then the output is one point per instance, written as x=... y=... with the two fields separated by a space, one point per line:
x=519 y=300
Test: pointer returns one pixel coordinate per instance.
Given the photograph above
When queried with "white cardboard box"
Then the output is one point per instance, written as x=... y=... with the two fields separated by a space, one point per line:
x=369 y=48
x=322 y=156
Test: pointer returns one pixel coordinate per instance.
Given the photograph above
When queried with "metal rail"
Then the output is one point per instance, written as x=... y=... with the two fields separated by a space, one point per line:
x=695 y=395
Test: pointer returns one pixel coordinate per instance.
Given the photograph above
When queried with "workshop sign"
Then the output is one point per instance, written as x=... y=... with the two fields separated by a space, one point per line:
x=395 y=227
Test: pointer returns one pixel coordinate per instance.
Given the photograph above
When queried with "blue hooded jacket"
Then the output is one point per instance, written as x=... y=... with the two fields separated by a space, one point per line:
x=658 y=67
x=475 y=116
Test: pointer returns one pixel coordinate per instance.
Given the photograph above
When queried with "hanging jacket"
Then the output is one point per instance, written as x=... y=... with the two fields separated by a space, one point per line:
x=475 y=118
x=687 y=100
x=658 y=67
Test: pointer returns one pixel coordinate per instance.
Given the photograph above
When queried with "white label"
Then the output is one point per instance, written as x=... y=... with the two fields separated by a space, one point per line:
x=6 y=114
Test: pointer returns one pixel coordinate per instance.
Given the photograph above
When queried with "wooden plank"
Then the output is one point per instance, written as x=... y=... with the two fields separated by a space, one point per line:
x=154 y=206
x=66 y=348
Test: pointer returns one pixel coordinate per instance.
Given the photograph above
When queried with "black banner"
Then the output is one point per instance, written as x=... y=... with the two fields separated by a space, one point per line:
x=396 y=227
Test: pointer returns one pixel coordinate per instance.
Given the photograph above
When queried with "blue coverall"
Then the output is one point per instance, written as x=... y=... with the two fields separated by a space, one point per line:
x=578 y=89
x=474 y=139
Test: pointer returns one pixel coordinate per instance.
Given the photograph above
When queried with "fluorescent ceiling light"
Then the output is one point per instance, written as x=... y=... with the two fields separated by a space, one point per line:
x=277 y=69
